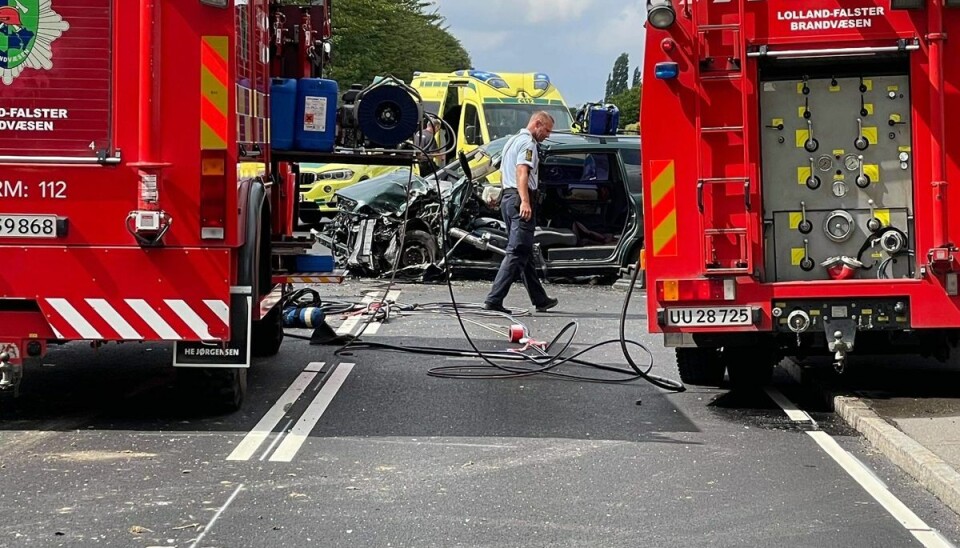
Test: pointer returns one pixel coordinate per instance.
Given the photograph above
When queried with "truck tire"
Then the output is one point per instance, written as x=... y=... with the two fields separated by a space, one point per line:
x=266 y=335
x=700 y=366
x=750 y=368
x=221 y=390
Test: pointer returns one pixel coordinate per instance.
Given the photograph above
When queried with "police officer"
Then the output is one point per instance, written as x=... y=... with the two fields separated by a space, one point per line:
x=518 y=178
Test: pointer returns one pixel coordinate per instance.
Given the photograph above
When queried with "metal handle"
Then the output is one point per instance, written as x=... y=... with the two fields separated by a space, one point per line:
x=764 y=52
x=57 y=160
x=746 y=193
x=700 y=196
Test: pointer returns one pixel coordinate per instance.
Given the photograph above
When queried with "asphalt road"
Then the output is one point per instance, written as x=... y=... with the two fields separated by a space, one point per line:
x=104 y=448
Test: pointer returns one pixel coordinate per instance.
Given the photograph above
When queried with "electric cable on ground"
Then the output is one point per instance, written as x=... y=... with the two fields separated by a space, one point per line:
x=545 y=363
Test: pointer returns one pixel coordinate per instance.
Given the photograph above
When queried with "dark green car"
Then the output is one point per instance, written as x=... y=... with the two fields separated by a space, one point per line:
x=589 y=220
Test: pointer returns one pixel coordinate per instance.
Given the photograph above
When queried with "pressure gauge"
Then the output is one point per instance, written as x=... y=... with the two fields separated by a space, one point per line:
x=851 y=162
x=825 y=162
x=904 y=156
x=839 y=189
x=839 y=226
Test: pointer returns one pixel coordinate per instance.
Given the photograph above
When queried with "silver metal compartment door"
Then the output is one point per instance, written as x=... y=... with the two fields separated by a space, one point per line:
x=836 y=148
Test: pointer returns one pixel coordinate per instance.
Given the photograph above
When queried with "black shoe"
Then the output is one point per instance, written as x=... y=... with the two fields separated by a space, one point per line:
x=496 y=308
x=547 y=305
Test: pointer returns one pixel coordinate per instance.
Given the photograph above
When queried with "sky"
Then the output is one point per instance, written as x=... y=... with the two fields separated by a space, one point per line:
x=574 y=41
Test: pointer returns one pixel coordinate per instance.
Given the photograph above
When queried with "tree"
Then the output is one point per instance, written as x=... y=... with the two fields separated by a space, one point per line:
x=607 y=93
x=629 y=104
x=380 y=37
x=620 y=77
x=636 y=77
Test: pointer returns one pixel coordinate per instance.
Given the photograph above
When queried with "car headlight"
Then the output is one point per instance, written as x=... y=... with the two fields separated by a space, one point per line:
x=337 y=174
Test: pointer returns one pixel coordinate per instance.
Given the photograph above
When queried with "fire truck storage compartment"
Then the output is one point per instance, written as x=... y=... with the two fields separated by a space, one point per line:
x=837 y=168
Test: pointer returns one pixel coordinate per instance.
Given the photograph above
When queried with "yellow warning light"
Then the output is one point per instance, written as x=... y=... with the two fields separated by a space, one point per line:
x=671 y=290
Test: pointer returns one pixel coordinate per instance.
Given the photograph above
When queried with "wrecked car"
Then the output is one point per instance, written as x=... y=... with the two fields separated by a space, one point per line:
x=589 y=221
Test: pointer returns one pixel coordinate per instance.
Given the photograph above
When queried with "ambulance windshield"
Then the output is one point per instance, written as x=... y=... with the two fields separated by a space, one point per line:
x=505 y=120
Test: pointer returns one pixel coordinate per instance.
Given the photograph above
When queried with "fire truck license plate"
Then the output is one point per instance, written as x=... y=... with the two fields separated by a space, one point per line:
x=28 y=226
x=709 y=317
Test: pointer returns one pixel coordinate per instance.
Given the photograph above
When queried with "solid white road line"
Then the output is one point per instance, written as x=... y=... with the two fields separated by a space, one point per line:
x=252 y=441
x=283 y=432
x=910 y=521
x=793 y=412
x=298 y=435
x=216 y=516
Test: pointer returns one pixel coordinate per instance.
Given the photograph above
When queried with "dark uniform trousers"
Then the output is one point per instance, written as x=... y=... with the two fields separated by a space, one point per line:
x=518 y=263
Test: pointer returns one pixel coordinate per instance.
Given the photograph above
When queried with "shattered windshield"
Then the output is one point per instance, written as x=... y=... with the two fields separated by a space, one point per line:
x=386 y=193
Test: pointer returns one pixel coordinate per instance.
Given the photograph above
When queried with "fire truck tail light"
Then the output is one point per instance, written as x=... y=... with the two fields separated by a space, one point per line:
x=213 y=194
x=714 y=289
x=952 y=284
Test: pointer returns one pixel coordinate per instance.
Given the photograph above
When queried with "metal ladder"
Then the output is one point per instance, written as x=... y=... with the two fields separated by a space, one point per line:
x=723 y=184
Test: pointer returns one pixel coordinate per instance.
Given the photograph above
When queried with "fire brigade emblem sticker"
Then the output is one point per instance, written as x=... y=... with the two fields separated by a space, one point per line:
x=28 y=29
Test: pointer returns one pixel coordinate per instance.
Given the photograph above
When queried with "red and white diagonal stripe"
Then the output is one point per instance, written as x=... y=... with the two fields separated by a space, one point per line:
x=137 y=319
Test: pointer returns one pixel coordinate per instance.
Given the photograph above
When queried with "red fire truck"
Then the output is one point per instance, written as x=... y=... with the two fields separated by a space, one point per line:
x=796 y=180
x=122 y=216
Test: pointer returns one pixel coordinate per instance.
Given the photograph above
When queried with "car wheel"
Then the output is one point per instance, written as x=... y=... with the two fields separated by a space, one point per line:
x=419 y=248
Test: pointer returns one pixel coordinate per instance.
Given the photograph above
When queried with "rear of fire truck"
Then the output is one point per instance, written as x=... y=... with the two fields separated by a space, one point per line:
x=121 y=217
x=796 y=175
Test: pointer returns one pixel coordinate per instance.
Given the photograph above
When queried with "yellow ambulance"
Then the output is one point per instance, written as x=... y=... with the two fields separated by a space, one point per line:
x=485 y=106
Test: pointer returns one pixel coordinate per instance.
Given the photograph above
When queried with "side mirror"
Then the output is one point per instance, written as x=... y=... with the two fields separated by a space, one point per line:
x=470 y=135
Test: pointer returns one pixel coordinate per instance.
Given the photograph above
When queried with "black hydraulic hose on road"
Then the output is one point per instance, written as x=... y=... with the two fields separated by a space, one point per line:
x=523 y=365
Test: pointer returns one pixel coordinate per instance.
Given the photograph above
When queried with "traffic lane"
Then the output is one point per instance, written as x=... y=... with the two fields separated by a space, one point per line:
x=204 y=481
x=429 y=479
x=405 y=458
x=105 y=447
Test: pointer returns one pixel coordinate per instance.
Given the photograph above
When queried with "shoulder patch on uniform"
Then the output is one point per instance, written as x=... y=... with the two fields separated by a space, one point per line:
x=529 y=155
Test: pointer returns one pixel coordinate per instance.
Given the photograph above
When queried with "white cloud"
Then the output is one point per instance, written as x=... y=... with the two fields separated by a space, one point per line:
x=575 y=41
x=476 y=41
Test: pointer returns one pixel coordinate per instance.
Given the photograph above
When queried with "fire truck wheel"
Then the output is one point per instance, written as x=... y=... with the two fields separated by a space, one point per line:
x=222 y=389
x=750 y=368
x=266 y=335
x=700 y=366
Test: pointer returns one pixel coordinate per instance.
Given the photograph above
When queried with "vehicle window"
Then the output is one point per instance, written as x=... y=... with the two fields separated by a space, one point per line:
x=631 y=161
x=471 y=125
x=580 y=168
x=505 y=120
x=433 y=107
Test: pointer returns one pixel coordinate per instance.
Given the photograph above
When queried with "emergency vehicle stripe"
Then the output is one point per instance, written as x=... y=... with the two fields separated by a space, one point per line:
x=156 y=323
x=74 y=319
x=213 y=87
x=190 y=318
x=221 y=309
x=664 y=200
x=114 y=319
